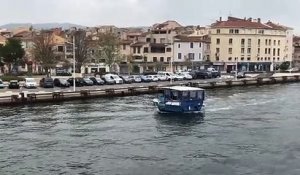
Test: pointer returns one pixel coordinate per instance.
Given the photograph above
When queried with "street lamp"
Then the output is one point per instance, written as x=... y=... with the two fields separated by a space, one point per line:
x=74 y=61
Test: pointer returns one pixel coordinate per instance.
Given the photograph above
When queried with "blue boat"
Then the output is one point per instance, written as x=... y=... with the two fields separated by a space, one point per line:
x=180 y=99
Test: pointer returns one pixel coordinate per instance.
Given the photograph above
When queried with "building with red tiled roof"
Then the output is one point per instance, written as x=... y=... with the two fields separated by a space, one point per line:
x=250 y=44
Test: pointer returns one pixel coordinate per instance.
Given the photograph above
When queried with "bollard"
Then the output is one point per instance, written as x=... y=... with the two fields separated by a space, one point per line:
x=284 y=79
x=229 y=83
x=273 y=80
x=23 y=99
x=259 y=81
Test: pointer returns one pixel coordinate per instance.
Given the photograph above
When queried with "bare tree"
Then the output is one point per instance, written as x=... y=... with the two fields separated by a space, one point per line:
x=82 y=43
x=109 y=49
x=43 y=51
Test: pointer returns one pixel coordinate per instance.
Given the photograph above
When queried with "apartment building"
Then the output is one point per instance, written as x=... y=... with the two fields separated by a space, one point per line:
x=249 y=43
x=296 y=54
x=190 y=52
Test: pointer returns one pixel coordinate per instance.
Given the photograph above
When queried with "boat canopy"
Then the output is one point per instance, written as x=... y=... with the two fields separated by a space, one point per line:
x=183 y=88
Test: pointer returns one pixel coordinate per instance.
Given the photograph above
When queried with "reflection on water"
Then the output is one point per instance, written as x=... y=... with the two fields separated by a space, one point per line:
x=251 y=130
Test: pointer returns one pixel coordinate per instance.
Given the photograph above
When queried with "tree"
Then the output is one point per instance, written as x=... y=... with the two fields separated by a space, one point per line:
x=43 y=51
x=129 y=59
x=12 y=53
x=82 y=44
x=285 y=66
x=109 y=49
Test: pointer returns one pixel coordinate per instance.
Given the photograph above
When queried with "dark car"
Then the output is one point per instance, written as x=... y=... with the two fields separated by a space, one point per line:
x=97 y=81
x=78 y=82
x=13 y=84
x=214 y=73
x=201 y=74
x=146 y=78
x=47 y=83
x=87 y=82
x=127 y=79
x=61 y=82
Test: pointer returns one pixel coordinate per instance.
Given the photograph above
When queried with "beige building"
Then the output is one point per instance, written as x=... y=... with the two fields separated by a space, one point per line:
x=296 y=55
x=249 y=43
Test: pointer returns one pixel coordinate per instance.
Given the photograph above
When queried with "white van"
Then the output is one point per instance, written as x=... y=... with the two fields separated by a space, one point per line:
x=30 y=83
x=168 y=75
x=117 y=79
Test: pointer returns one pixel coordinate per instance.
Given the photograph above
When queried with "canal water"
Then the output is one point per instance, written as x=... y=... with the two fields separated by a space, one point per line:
x=251 y=130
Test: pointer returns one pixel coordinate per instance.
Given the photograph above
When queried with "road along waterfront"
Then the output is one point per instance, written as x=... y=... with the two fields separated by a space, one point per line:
x=246 y=130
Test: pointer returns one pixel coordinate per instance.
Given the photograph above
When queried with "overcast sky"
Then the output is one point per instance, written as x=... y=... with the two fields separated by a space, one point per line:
x=124 y=13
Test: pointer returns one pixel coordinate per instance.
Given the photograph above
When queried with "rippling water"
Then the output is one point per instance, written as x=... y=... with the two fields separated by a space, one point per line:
x=245 y=131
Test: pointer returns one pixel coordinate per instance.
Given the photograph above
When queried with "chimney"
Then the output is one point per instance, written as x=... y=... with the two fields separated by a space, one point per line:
x=250 y=19
x=259 y=20
x=220 y=19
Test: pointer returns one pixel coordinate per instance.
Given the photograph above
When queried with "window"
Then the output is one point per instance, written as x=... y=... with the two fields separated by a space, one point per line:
x=261 y=31
x=242 y=58
x=139 y=49
x=278 y=58
x=217 y=50
x=278 y=42
x=274 y=58
x=249 y=58
x=231 y=31
x=148 y=40
x=168 y=59
x=274 y=52
x=218 y=31
x=270 y=42
x=154 y=59
x=179 y=56
x=145 y=59
x=230 y=50
x=191 y=56
x=236 y=31
x=218 y=41
x=191 y=45
x=249 y=42
x=200 y=56
x=266 y=51
x=258 y=59
x=266 y=42
x=258 y=50
x=243 y=42
x=249 y=50
x=274 y=42
x=146 y=49
x=200 y=45
x=265 y=58
x=243 y=50
x=169 y=49
x=269 y=51
x=124 y=46
x=134 y=49
x=230 y=58
x=161 y=59
x=230 y=41
x=178 y=45
x=258 y=42
x=269 y=59
x=60 y=48
x=278 y=52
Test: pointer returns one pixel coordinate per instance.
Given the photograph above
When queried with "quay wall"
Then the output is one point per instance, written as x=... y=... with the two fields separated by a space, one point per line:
x=60 y=96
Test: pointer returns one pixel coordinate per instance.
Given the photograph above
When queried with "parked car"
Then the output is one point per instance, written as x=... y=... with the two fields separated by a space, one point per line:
x=146 y=78
x=47 y=83
x=201 y=74
x=1 y=84
x=126 y=79
x=30 y=83
x=215 y=73
x=97 y=80
x=87 y=82
x=78 y=82
x=109 y=80
x=59 y=82
x=137 y=79
x=117 y=79
x=241 y=75
x=186 y=75
x=13 y=84
x=154 y=78
x=179 y=77
x=162 y=77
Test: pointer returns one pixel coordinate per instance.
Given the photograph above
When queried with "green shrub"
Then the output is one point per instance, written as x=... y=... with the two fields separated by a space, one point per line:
x=10 y=77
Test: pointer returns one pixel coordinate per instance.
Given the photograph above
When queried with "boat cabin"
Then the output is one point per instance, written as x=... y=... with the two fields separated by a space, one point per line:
x=182 y=93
